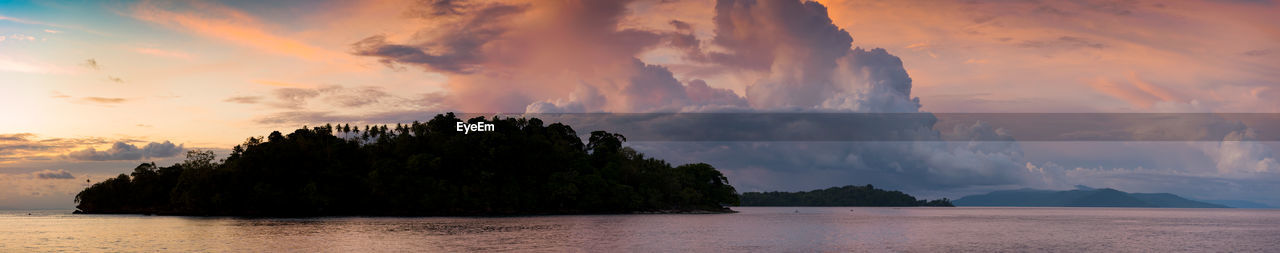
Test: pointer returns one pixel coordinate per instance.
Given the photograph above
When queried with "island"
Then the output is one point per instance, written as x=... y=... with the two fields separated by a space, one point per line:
x=1082 y=196
x=838 y=196
x=419 y=169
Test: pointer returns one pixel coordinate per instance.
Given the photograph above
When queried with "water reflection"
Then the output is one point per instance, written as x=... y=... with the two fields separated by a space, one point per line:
x=754 y=229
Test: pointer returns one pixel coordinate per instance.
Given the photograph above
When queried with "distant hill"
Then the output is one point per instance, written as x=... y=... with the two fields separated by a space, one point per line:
x=838 y=196
x=1081 y=197
x=1238 y=203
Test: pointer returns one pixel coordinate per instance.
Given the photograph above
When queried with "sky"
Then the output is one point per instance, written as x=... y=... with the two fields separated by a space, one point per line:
x=91 y=89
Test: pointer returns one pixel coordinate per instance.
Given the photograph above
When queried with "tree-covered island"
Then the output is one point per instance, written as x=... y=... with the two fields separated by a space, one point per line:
x=839 y=196
x=419 y=169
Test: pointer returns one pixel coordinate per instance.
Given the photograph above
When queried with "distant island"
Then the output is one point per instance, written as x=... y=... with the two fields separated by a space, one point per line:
x=514 y=166
x=1081 y=197
x=838 y=196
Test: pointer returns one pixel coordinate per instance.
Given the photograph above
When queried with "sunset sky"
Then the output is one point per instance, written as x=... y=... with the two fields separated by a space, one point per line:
x=89 y=90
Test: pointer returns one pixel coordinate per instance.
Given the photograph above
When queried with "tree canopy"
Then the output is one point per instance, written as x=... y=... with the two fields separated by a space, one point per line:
x=523 y=167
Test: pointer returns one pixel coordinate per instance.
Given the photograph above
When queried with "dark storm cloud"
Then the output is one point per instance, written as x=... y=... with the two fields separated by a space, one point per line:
x=126 y=151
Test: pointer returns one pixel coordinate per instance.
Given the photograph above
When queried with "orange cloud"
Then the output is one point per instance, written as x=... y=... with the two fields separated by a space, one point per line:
x=1157 y=91
x=229 y=25
x=1137 y=92
x=1124 y=92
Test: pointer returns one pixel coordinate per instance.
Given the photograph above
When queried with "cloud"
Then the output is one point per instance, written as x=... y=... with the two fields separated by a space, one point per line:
x=115 y=79
x=1257 y=52
x=346 y=104
x=244 y=99
x=91 y=63
x=333 y=95
x=436 y=8
x=105 y=100
x=226 y=24
x=54 y=174
x=25 y=146
x=294 y=118
x=1064 y=42
x=513 y=57
x=280 y=84
x=126 y=151
x=1239 y=153
x=52 y=31
x=459 y=44
x=681 y=25
x=293 y=98
x=789 y=52
x=15 y=137
x=1137 y=91
x=19 y=37
x=778 y=56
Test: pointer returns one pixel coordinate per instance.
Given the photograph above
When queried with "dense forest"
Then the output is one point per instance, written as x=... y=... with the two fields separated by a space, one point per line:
x=522 y=167
x=838 y=196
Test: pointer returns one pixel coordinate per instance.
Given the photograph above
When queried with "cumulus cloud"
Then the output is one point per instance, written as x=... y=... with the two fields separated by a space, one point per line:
x=1239 y=153
x=794 y=59
x=538 y=57
x=126 y=151
x=785 y=56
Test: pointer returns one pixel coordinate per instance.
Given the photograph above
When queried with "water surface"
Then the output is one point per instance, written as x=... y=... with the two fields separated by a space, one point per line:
x=768 y=229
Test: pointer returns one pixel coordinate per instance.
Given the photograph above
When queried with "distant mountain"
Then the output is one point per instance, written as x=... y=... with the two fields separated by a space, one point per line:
x=1238 y=203
x=838 y=196
x=1081 y=197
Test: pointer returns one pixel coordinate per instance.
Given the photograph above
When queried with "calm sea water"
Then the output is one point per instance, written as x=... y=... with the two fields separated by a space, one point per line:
x=756 y=229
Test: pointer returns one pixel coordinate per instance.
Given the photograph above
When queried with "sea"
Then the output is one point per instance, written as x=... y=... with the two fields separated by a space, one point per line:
x=751 y=229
